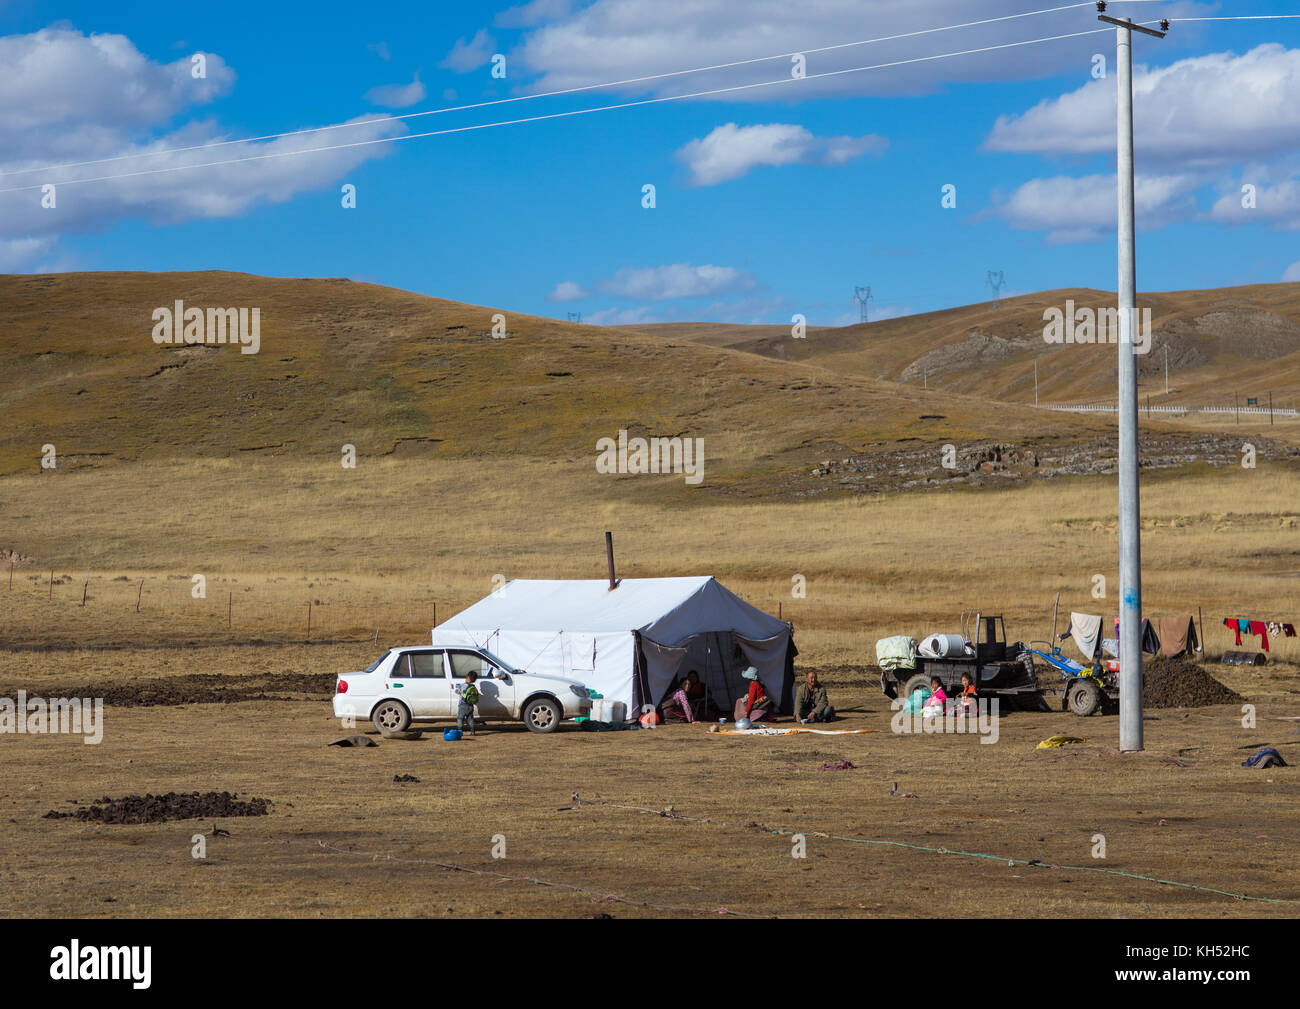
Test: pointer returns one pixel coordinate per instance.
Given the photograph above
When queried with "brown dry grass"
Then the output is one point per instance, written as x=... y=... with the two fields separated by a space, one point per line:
x=1209 y=822
x=367 y=551
x=512 y=489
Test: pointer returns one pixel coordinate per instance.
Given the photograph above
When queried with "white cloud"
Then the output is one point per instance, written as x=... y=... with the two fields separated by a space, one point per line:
x=680 y=280
x=1213 y=109
x=642 y=315
x=730 y=151
x=1085 y=209
x=531 y=14
x=567 y=290
x=67 y=98
x=65 y=94
x=397 y=96
x=19 y=255
x=1276 y=204
x=1291 y=275
x=380 y=49
x=609 y=40
x=468 y=55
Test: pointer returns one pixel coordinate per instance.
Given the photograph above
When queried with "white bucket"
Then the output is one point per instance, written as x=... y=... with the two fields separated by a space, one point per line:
x=605 y=710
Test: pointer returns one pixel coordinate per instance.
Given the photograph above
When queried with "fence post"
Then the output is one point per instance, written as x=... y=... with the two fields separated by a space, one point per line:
x=138 y=594
x=51 y=584
x=308 y=619
x=83 y=591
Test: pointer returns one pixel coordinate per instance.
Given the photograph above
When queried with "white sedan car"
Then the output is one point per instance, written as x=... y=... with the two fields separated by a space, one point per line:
x=418 y=684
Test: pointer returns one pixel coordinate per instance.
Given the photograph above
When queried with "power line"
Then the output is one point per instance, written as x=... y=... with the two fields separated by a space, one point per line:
x=561 y=115
x=553 y=94
x=1239 y=17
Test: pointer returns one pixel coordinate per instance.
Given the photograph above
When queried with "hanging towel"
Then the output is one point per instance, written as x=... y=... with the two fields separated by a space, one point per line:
x=1147 y=635
x=1243 y=624
x=1178 y=636
x=1085 y=629
x=1288 y=630
x=1232 y=625
x=1260 y=628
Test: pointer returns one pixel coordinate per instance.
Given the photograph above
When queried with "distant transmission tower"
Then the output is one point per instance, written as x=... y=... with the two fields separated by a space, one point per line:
x=996 y=281
x=862 y=295
x=575 y=316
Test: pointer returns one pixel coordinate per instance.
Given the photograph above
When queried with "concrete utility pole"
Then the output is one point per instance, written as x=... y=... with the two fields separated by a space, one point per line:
x=1166 y=371
x=1130 y=550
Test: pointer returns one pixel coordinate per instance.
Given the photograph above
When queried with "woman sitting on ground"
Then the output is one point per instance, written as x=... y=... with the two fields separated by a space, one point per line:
x=678 y=705
x=756 y=705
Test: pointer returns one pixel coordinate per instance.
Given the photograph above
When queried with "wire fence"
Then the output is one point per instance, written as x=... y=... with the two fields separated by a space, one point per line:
x=165 y=605
x=1178 y=411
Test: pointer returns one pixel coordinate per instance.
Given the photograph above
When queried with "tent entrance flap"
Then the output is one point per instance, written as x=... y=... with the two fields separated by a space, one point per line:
x=718 y=658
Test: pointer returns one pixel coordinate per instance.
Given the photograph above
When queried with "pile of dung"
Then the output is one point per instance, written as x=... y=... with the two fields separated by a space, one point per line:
x=1180 y=683
x=172 y=806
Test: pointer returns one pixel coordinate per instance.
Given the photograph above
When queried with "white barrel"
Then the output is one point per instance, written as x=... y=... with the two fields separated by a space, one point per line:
x=943 y=646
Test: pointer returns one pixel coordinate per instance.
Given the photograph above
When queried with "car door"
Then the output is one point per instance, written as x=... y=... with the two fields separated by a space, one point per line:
x=428 y=691
x=497 y=692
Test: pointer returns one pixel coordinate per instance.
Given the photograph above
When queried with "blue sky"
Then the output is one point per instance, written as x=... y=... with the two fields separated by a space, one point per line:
x=769 y=201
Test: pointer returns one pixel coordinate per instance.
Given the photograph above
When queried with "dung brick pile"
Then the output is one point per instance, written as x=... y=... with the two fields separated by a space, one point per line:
x=1178 y=683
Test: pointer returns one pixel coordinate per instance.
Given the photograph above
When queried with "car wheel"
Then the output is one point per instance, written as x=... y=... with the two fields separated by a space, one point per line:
x=391 y=716
x=542 y=715
x=1084 y=698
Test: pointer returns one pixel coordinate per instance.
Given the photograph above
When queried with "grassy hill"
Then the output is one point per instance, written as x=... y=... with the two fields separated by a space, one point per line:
x=399 y=374
x=1244 y=338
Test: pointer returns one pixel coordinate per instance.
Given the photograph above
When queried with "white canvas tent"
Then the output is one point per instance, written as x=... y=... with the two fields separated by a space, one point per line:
x=629 y=643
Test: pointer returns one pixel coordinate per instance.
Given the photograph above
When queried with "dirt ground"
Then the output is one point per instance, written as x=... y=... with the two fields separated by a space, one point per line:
x=922 y=825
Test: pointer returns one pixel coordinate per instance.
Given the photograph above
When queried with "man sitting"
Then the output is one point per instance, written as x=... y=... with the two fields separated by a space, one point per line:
x=810 y=701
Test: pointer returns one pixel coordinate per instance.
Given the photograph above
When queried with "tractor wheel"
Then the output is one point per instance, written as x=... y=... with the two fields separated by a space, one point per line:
x=918 y=682
x=1084 y=698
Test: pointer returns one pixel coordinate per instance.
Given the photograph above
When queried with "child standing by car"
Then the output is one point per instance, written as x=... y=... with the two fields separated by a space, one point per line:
x=469 y=696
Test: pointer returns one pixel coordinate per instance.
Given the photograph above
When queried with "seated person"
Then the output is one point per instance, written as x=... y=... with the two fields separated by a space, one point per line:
x=935 y=704
x=756 y=705
x=810 y=701
x=678 y=704
x=697 y=695
x=968 y=699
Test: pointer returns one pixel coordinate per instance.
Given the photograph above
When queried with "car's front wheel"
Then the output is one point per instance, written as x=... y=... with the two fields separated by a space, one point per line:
x=542 y=715
x=391 y=716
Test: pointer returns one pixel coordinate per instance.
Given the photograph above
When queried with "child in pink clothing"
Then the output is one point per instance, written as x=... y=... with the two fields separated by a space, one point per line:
x=937 y=700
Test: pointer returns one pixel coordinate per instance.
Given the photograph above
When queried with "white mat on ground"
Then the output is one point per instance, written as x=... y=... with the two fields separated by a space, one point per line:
x=774 y=731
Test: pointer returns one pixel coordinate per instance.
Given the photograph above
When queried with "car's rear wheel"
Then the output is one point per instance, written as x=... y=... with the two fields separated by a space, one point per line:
x=391 y=716
x=542 y=715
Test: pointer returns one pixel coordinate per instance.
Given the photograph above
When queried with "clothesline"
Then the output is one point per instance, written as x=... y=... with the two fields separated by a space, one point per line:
x=1260 y=628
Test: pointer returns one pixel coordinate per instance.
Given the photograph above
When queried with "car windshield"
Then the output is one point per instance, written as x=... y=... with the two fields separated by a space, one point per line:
x=375 y=665
x=500 y=663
